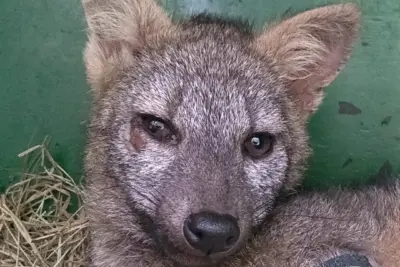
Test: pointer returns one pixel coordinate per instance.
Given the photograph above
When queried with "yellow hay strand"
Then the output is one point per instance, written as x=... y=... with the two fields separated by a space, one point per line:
x=36 y=226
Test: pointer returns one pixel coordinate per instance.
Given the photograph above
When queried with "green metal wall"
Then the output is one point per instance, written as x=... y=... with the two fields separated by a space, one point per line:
x=355 y=134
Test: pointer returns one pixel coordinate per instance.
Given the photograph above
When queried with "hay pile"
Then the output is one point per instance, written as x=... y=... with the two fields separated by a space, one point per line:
x=37 y=226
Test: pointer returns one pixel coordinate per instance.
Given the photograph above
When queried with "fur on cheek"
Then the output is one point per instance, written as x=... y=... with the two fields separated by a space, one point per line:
x=266 y=177
x=268 y=173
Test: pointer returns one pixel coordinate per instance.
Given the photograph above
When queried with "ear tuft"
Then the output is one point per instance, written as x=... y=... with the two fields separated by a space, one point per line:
x=309 y=50
x=116 y=30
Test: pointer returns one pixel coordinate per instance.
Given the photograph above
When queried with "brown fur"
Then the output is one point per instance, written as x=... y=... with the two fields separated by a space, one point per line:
x=116 y=30
x=216 y=82
x=313 y=227
x=316 y=46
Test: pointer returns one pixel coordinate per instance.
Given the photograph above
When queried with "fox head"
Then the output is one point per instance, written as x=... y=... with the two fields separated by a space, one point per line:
x=199 y=124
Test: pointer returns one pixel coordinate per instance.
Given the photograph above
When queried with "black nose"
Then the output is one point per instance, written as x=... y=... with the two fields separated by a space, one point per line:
x=211 y=232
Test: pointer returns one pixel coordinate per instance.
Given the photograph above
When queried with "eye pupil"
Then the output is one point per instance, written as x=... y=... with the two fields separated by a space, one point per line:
x=258 y=145
x=155 y=126
x=256 y=142
x=158 y=128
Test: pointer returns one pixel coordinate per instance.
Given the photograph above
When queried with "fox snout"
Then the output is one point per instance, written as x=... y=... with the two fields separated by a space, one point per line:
x=204 y=238
x=206 y=222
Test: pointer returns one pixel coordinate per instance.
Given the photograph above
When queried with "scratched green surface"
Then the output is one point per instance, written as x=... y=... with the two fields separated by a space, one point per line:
x=43 y=89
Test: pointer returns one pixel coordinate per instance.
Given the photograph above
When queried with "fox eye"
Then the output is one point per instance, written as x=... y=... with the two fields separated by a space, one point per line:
x=158 y=128
x=258 y=145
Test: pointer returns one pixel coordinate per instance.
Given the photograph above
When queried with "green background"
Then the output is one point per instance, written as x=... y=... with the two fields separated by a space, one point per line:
x=43 y=91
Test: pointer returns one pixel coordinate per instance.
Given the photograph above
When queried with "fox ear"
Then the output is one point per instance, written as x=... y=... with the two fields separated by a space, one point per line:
x=116 y=30
x=309 y=50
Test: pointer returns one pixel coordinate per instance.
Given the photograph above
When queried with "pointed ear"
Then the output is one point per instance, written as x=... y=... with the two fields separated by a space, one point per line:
x=117 y=29
x=309 y=49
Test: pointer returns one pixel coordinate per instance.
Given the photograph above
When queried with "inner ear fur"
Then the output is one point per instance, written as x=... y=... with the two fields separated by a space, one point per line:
x=309 y=50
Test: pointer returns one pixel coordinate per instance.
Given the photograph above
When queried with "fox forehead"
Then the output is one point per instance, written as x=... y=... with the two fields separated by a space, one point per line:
x=208 y=82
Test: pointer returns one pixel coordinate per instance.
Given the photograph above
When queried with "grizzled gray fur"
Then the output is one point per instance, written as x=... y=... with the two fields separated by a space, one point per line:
x=199 y=125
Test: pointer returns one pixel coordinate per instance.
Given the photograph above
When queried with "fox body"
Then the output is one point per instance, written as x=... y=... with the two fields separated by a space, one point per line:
x=199 y=125
x=312 y=228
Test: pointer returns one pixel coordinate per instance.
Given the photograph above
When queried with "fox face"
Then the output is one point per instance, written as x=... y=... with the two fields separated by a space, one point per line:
x=197 y=126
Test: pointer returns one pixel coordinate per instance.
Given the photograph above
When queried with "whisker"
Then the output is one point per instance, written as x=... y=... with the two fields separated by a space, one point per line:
x=314 y=217
x=140 y=193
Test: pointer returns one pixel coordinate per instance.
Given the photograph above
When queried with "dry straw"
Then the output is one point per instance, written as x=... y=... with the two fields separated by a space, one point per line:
x=37 y=226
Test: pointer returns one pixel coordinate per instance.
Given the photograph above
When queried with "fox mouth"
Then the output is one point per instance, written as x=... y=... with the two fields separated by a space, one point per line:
x=185 y=260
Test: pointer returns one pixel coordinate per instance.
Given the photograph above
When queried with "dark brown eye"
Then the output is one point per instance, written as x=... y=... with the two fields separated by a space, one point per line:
x=158 y=128
x=258 y=145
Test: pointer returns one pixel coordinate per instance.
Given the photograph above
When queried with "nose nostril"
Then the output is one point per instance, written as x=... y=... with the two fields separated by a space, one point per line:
x=209 y=252
x=230 y=241
x=198 y=234
x=192 y=235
